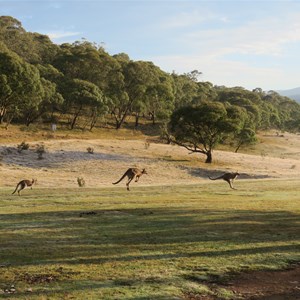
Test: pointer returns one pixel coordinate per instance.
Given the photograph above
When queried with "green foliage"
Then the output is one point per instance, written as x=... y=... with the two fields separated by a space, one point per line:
x=20 y=83
x=41 y=81
x=246 y=136
x=80 y=96
x=201 y=128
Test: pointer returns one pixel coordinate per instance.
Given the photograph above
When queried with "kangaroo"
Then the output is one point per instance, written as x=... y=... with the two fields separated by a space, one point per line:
x=23 y=184
x=132 y=173
x=229 y=177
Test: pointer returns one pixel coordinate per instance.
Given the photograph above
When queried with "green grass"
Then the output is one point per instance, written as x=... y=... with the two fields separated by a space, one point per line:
x=150 y=243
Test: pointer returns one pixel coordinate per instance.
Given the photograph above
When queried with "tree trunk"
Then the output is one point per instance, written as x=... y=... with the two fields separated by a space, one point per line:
x=8 y=120
x=137 y=117
x=2 y=114
x=118 y=123
x=152 y=117
x=208 y=157
x=74 y=120
x=76 y=115
x=238 y=147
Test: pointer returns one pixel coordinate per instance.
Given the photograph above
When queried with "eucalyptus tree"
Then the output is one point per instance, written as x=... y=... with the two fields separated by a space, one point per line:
x=87 y=61
x=82 y=97
x=185 y=90
x=44 y=49
x=158 y=99
x=20 y=84
x=281 y=109
x=17 y=39
x=246 y=136
x=141 y=84
x=50 y=73
x=50 y=99
x=205 y=92
x=241 y=97
x=135 y=86
x=201 y=128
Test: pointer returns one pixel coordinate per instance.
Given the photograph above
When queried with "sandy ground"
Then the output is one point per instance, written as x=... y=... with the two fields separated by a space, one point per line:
x=65 y=160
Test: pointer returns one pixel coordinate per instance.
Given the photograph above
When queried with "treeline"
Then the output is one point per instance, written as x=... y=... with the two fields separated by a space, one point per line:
x=44 y=82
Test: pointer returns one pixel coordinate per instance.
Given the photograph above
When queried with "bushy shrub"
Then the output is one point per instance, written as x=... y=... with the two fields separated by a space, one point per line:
x=80 y=181
x=23 y=146
x=40 y=150
x=90 y=150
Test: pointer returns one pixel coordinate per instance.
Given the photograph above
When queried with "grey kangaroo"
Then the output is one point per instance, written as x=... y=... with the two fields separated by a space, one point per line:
x=23 y=184
x=229 y=177
x=132 y=173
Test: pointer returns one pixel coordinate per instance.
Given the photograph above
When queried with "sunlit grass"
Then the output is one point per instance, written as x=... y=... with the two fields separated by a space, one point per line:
x=149 y=243
x=34 y=132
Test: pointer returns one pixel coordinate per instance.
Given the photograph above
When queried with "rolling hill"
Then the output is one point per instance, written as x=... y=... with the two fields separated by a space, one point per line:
x=292 y=93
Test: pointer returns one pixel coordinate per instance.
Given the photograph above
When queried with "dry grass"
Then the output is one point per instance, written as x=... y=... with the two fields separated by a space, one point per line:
x=66 y=159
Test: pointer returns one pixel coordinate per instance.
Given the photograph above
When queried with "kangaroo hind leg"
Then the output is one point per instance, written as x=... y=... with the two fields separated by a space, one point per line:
x=230 y=184
x=128 y=183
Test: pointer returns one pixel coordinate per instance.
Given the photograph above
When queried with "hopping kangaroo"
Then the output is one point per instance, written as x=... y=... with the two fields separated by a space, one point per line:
x=23 y=184
x=229 y=177
x=132 y=173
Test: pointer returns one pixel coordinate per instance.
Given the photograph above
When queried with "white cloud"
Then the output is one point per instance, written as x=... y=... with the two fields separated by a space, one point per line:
x=59 y=36
x=267 y=36
x=183 y=19
x=223 y=72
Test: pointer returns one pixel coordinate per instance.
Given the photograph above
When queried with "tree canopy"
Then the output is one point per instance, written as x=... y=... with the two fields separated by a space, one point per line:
x=201 y=128
x=40 y=80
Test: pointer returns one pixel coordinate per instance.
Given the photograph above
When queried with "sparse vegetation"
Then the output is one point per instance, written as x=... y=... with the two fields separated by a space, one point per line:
x=147 y=145
x=80 y=181
x=40 y=150
x=90 y=150
x=22 y=146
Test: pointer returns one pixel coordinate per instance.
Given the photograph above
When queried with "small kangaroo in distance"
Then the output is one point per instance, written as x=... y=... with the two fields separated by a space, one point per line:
x=132 y=173
x=23 y=184
x=229 y=177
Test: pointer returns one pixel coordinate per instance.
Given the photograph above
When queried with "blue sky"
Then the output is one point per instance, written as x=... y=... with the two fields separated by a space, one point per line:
x=233 y=43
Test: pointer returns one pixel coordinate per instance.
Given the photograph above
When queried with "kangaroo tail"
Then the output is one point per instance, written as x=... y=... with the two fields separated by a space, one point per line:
x=120 y=179
x=215 y=178
x=15 y=189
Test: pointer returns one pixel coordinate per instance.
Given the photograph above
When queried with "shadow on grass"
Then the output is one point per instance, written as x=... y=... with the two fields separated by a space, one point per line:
x=204 y=173
x=101 y=236
x=54 y=159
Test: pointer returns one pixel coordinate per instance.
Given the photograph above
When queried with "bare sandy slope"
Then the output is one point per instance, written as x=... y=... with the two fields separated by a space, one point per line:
x=65 y=160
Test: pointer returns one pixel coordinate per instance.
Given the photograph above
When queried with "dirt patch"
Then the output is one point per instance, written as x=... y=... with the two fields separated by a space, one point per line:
x=260 y=285
x=271 y=285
